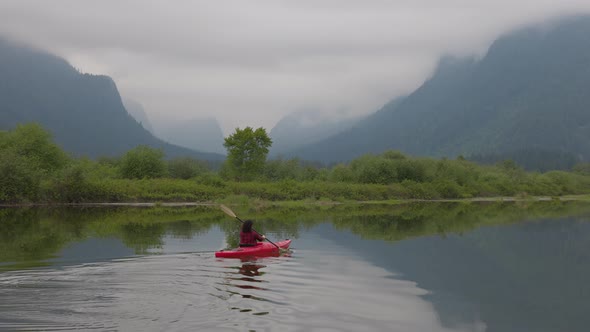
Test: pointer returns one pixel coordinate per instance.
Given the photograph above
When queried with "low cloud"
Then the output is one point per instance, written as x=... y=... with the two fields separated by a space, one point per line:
x=252 y=62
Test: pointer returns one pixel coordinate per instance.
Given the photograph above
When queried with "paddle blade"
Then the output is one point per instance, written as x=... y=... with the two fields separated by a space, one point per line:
x=228 y=211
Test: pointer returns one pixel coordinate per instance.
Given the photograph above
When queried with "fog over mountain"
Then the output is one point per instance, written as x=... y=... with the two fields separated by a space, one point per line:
x=250 y=63
x=83 y=112
x=530 y=91
x=202 y=134
x=305 y=127
x=136 y=110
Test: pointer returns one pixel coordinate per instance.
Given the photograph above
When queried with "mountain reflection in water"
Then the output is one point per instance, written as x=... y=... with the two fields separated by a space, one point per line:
x=449 y=267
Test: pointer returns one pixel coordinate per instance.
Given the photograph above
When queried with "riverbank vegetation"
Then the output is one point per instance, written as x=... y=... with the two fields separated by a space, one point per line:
x=32 y=236
x=35 y=170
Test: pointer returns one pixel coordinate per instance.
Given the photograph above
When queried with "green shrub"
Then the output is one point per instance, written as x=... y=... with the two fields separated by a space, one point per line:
x=415 y=190
x=19 y=181
x=71 y=185
x=409 y=169
x=393 y=155
x=374 y=169
x=210 y=179
x=143 y=162
x=341 y=173
x=447 y=189
x=186 y=168
x=35 y=146
x=278 y=169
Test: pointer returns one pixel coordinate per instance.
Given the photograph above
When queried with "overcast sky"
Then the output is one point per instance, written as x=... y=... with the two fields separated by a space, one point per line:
x=250 y=62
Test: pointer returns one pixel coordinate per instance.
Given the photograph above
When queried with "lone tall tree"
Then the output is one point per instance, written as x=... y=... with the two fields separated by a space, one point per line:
x=246 y=152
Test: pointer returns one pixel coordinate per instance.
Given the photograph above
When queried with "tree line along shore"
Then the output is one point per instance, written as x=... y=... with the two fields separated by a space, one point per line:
x=33 y=169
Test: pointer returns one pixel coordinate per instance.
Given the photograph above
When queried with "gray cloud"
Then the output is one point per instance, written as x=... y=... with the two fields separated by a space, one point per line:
x=252 y=62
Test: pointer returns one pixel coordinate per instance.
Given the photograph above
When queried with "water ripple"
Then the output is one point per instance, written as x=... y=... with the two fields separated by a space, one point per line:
x=178 y=292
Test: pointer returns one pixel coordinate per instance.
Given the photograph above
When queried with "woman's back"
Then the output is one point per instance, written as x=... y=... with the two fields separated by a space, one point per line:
x=248 y=237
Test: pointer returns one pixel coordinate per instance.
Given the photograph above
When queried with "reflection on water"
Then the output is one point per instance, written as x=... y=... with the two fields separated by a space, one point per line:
x=196 y=291
x=454 y=267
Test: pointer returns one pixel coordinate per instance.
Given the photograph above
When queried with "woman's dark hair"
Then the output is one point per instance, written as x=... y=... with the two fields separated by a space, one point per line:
x=247 y=226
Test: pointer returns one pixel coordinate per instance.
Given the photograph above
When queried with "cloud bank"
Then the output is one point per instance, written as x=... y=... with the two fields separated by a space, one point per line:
x=252 y=62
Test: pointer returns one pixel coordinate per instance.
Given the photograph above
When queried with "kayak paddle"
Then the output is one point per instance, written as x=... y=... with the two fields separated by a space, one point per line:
x=231 y=213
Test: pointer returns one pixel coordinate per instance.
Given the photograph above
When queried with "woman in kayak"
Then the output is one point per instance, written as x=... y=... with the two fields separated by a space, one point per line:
x=248 y=237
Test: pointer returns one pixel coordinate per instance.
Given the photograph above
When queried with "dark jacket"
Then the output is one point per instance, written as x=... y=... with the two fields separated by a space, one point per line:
x=249 y=239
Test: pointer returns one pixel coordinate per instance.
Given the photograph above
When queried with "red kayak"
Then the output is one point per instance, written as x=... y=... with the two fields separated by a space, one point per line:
x=261 y=249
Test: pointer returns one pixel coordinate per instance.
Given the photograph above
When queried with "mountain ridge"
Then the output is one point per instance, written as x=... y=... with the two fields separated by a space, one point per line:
x=305 y=127
x=84 y=112
x=528 y=91
x=203 y=134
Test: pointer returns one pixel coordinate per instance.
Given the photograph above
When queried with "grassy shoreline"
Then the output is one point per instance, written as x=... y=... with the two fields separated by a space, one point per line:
x=46 y=175
x=255 y=201
x=36 y=171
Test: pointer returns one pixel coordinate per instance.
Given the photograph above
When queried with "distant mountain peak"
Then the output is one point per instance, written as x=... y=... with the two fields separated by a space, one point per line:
x=136 y=110
x=306 y=127
x=201 y=133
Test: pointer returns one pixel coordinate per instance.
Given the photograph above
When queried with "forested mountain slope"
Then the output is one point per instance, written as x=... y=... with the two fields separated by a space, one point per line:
x=530 y=91
x=83 y=112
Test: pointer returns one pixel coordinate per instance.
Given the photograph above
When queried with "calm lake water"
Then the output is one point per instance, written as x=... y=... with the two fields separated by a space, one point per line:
x=416 y=267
